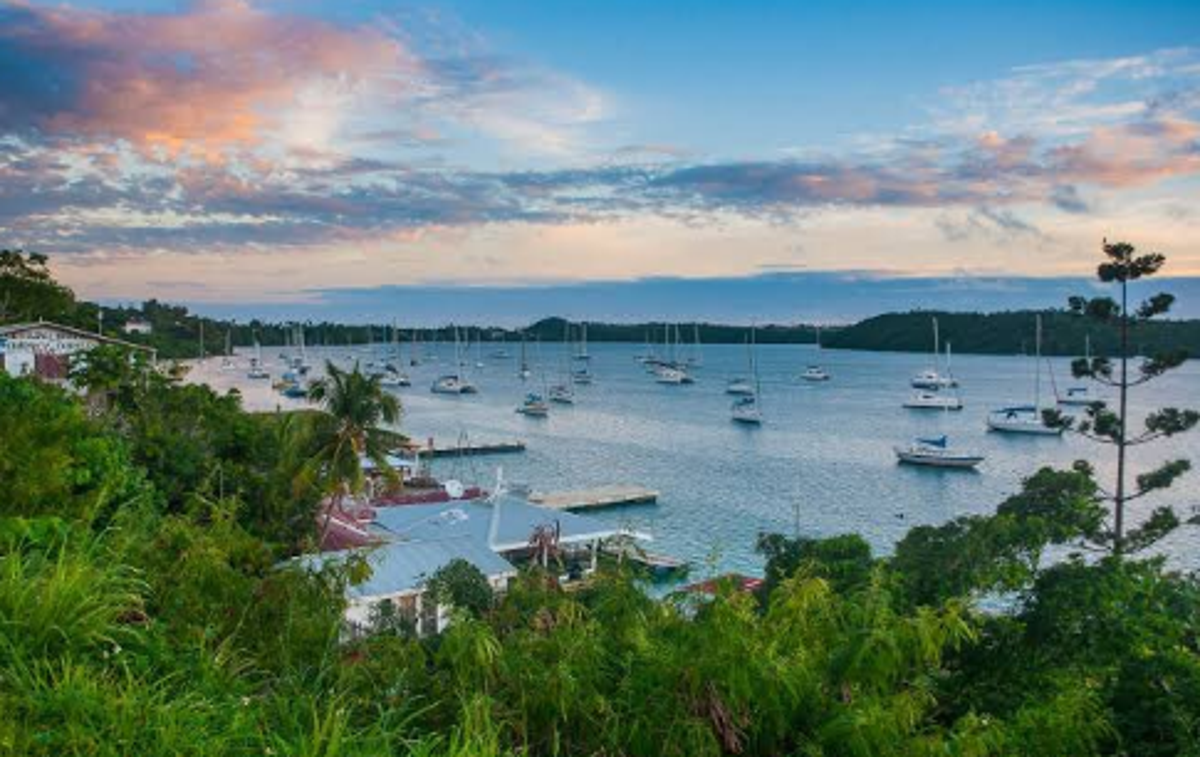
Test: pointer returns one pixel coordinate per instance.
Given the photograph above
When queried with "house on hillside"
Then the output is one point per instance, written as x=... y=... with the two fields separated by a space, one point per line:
x=138 y=326
x=496 y=535
x=45 y=349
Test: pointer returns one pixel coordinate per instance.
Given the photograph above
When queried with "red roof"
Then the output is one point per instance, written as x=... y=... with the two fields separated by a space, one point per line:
x=739 y=581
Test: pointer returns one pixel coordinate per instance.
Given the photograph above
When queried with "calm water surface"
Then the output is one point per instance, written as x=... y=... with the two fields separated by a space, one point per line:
x=821 y=464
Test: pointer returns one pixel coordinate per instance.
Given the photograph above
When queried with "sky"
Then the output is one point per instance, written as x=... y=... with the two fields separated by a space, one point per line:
x=497 y=160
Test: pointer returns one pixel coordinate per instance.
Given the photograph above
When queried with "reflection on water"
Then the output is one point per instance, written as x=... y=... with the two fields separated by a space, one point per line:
x=822 y=462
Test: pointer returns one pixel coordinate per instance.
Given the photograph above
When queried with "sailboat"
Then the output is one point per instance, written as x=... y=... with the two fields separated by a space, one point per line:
x=563 y=393
x=391 y=375
x=936 y=452
x=742 y=386
x=454 y=383
x=671 y=370
x=815 y=372
x=747 y=409
x=696 y=359
x=1026 y=419
x=937 y=399
x=931 y=378
x=227 y=363
x=1079 y=395
x=583 y=355
x=523 y=372
x=534 y=406
x=257 y=371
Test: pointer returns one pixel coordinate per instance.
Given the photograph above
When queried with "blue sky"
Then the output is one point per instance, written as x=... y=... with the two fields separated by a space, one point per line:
x=291 y=155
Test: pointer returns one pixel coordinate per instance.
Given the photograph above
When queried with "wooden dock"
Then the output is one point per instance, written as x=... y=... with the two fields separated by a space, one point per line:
x=433 y=448
x=600 y=496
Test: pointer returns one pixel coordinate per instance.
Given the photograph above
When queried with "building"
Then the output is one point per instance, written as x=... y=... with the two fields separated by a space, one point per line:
x=496 y=535
x=137 y=326
x=45 y=349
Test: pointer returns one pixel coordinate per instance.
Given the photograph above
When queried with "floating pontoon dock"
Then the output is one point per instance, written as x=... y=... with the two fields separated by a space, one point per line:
x=589 y=499
x=433 y=448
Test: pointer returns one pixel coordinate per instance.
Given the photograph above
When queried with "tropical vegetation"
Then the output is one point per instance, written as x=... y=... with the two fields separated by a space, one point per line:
x=150 y=605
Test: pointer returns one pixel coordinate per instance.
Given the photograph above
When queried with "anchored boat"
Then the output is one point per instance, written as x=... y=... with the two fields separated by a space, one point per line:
x=936 y=452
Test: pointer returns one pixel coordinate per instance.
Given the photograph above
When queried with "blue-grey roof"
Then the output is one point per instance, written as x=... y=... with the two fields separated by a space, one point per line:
x=472 y=520
x=405 y=566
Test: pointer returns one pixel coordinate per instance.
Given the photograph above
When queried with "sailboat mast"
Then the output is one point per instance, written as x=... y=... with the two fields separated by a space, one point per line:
x=1037 y=372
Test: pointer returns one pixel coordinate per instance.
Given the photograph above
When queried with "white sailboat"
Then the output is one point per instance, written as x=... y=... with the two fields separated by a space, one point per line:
x=936 y=452
x=742 y=386
x=563 y=392
x=523 y=372
x=932 y=378
x=583 y=354
x=534 y=406
x=1026 y=419
x=227 y=362
x=1079 y=395
x=815 y=373
x=942 y=398
x=257 y=370
x=747 y=409
x=454 y=383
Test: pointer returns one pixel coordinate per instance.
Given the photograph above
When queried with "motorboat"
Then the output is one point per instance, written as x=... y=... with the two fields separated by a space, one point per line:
x=936 y=452
x=932 y=400
x=452 y=383
x=534 y=406
x=815 y=373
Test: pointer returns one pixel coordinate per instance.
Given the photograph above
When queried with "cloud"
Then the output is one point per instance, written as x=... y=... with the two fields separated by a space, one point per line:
x=126 y=131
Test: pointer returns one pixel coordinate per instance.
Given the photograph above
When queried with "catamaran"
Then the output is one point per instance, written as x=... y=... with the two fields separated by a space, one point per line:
x=747 y=408
x=936 y=452
x=1026 y=419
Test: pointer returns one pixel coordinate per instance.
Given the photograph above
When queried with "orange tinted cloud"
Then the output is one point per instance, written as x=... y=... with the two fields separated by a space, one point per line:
x=217 y=76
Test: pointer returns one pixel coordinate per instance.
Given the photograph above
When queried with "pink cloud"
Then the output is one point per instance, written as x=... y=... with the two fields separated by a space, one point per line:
x=214 y=77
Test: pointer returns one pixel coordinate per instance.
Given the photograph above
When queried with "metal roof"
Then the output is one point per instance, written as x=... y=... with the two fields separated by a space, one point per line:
x=17 y=328
x=516 y=521
x=401 y=567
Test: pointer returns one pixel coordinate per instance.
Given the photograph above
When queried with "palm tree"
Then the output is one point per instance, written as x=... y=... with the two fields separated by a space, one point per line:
x=347 y=432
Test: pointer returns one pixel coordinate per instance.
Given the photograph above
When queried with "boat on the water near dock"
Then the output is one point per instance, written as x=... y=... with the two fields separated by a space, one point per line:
x=463 y=448
x=933 y=400
x=534 y=406
x=601 y=496
x=937 y=453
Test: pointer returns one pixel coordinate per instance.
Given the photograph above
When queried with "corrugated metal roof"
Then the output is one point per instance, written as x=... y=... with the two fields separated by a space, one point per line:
x=473 y=519
x=406 y=566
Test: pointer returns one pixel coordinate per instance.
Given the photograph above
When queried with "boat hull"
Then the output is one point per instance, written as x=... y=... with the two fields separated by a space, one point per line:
x=961 y=462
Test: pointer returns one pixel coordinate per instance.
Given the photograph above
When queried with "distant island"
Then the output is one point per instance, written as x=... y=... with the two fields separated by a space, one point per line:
x=29 y=292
